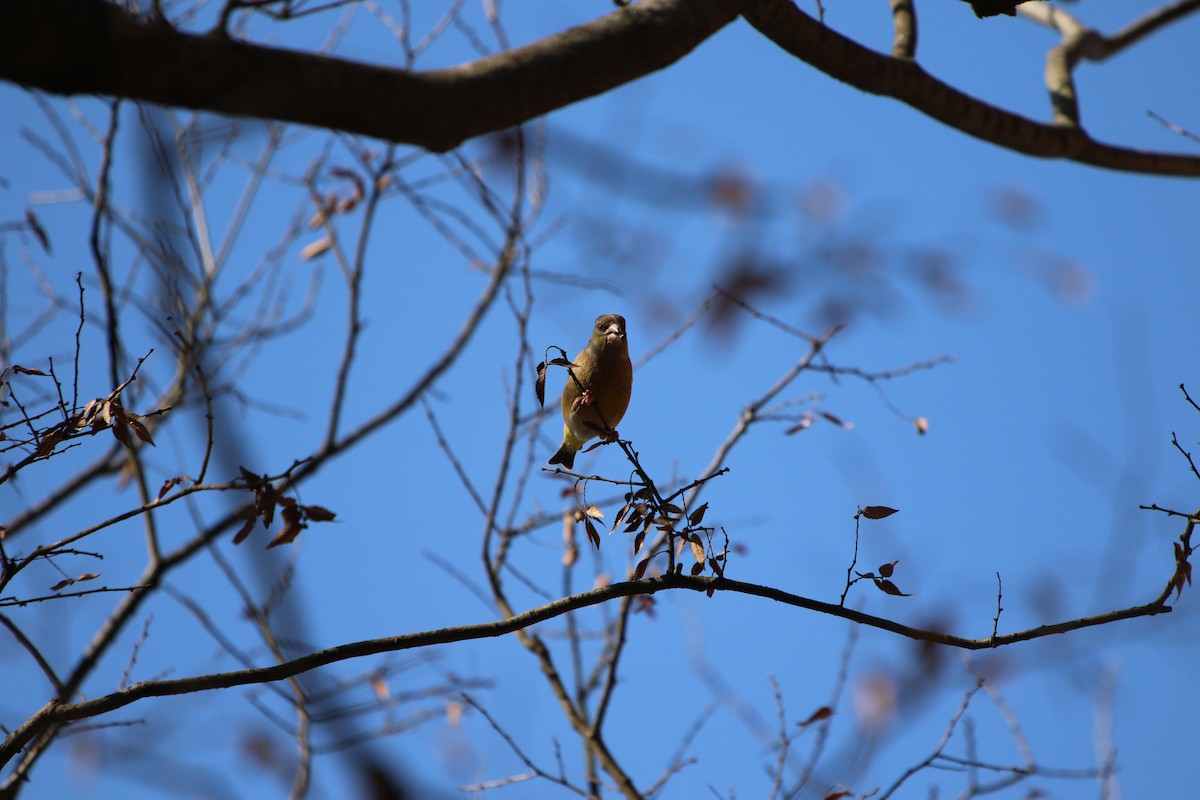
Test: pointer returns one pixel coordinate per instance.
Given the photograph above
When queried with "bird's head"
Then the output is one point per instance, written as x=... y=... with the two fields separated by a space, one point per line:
x=609 y=330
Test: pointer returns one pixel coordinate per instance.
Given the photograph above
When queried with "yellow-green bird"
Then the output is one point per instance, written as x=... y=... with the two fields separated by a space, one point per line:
x=602 y=393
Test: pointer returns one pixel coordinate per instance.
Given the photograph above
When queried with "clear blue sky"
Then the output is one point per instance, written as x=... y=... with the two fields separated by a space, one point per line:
x=1049 y=428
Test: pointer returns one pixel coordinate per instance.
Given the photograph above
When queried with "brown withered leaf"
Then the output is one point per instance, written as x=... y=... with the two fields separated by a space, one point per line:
x=717 y=569
x=120 y=430
x=49 y=441
x=697 y=568
x=886 y=569
x=887 y=587
x=837 y=421
x=697 y=550
x=561 y=362
x=539 y=384
x=878 y=512
x=594 y=511
x=824 y=712
x=620 y=516
x=289 y=533
x=922 y=425
x=88 y=576
x=17 y=368
x=803 y=424
x=316 y=248
x=380 y=688
x=838 y=795
x=641 y=569
x=638 y=541
x=36 y=226
x=672 y=509
x=244 y=531
x=140 y=430
x=592 y=534
x=64 y=583
x=318 y=219
x=697 y=516
x=319 y=513
x=168 y=485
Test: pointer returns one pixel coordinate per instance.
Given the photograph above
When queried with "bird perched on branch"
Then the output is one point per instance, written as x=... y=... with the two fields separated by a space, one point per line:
x=597 y=390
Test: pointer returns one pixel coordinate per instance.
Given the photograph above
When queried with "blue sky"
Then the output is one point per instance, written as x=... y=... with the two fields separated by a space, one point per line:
x=1048 y=429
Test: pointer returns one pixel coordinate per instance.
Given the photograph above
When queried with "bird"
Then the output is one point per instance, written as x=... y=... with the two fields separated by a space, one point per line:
x=595 y=399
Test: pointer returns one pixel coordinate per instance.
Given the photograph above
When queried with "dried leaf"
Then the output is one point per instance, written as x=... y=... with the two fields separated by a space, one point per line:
x=594 y=512
x=316 y=248
x=380 y=688
x=88 y=576
x=286 y=536
x=922 y=425
x=887 y=587
x=698 y=550
x=620 y=516
x=671 y=508
x=140 y=430
x=61 y=584
x=539 y=384
x=803 y=424
x=638 y=541
x=697 y=516
x=641 y=569
x=837 y=795
x=824 y=712
x=877 y=512
x=319 y=513
x=697 y=568
x=837 y=421
x=244 y=531
x=560 y=362
x=715 y=565
x=318 y=219
x=886 y=569
x=17 y=368
x=592 y=534
x=121 y=432
x=49 y=441
x=38 y=230
x=168 y=485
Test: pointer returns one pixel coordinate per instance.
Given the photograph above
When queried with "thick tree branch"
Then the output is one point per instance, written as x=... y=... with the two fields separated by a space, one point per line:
x=92 y=47
x=839 y=57
x=58 y=713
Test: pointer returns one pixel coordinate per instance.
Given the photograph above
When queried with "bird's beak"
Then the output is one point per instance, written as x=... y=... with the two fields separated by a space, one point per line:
x=614 y=334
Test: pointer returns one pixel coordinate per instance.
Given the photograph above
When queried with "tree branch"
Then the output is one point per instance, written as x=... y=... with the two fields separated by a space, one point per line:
x=58 y=713
x=93 y=47
x=839 y=57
